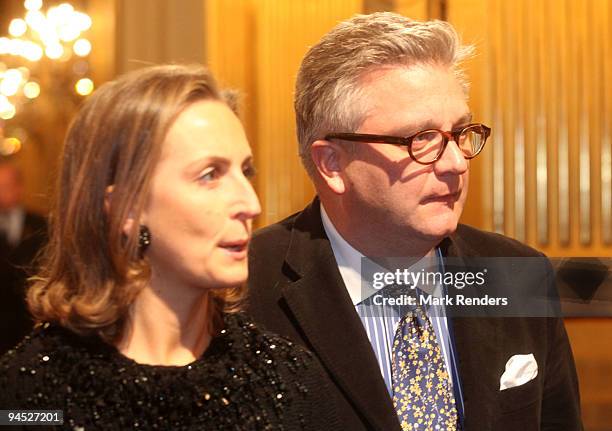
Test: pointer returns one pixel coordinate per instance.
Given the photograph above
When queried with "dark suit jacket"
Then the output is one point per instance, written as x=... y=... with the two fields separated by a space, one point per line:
x=15 y=267
x=297 y=291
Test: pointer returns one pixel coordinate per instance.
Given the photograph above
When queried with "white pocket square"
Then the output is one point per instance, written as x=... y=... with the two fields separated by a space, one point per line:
x=520 y=369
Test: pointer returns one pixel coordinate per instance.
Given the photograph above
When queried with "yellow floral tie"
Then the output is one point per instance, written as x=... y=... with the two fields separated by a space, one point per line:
x=422 y=395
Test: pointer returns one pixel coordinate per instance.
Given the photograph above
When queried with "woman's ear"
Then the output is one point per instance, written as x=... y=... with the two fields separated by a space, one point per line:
x=128 y=225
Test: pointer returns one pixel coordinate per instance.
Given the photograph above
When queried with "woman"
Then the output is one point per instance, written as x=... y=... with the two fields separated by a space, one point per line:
x=145 y=274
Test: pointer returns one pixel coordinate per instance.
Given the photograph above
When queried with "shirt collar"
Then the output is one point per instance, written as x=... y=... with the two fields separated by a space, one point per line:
x=347 y=258
x=349 y=262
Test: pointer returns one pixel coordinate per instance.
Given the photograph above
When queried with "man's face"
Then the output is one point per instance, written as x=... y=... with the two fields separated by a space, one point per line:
x=392 y=196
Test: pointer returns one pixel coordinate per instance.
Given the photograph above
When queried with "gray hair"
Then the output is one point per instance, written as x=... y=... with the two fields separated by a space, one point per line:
x=327 y=92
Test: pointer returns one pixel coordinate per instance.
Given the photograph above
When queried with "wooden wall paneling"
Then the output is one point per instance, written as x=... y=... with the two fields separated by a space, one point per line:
x=591 y=339
x=103 y=57
x=158 y=31
x=593 y=121
x=486 y=106
x=499 y=188
x=284 y=31
x=508 y=78
x=563 y=88
x=546 y=82
x=585 y=114
x=415 y=9
x=541 y=93
x=139 y=45
x=575 y=85
x=473 y=27
x=553 y=107
x=230 y=46
x=605 y=15
x=230 y=55
x=527 y=58
x=518 y=66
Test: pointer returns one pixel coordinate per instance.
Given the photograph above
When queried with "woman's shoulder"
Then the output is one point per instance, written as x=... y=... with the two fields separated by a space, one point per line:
x=43 y=339
x=23 y=365
x=298 y=377
x=270 y=353
x=252 y=338
x=35 y=368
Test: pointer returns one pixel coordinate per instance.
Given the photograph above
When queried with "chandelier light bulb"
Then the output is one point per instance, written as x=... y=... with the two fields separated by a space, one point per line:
x=82 y=47
x=7 y=109
x=69 y=32
x=31 y=90
x=32 y=5
x=54 y=51
x=10 y=146
x=31 y=51
x=17 y=27
x=84 y=86
x=5 y=45
x=54 y=32
x=35 y=19
x=11 y=80
x=81 y=20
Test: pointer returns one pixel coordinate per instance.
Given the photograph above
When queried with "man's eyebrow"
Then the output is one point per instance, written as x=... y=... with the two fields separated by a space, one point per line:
x=466 y=119
x=429 y=124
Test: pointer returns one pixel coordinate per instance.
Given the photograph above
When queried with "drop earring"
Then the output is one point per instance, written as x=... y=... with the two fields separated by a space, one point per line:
x=144 y=238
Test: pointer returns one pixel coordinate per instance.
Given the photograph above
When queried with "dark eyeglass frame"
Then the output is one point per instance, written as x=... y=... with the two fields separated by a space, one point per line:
x=407 y=141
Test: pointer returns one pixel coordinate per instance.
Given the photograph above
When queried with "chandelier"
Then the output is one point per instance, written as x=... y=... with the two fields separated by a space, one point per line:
x=43 y=51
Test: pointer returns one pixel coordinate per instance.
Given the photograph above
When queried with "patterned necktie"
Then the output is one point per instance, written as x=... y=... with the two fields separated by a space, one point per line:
x=422 y=395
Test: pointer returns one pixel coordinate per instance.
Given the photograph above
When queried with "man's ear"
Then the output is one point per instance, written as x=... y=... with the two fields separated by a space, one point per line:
x=128 y=225
x=330 y=160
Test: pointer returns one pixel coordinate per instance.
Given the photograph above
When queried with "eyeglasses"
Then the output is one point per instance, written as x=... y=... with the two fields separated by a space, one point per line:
x=428 y=145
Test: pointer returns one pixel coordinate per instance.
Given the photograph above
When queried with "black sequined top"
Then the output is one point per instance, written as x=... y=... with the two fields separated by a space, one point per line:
x=246 y=380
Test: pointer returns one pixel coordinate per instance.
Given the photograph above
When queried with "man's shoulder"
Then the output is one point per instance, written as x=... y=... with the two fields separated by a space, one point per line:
x=304 y=224
x=273 y=239
x=276 y=230
x=476 y=242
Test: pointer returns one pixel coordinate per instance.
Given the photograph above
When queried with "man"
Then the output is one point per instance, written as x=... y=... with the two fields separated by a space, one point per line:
x=22 y=234
x=370 y=82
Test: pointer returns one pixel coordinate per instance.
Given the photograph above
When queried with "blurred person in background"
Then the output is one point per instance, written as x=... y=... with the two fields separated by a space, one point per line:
x=144 y=276
x=22 y=235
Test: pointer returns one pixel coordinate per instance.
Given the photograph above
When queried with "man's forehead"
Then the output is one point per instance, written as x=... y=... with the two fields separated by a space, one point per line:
x=433 y=123
x=424 y=91
x=415 y=84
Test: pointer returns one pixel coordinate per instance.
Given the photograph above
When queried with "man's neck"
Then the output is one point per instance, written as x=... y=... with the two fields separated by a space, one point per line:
x=371 y=240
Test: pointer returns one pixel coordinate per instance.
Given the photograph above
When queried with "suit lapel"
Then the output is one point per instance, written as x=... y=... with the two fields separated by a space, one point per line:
x=476 y=346
x=325 y=314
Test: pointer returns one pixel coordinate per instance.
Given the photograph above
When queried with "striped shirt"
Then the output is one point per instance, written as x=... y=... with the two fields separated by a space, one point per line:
x=380 y=321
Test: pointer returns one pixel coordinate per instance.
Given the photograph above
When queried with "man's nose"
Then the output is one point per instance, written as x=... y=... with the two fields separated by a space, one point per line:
x=452 y=161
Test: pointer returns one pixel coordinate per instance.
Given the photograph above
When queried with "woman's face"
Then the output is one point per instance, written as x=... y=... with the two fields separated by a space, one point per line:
x=201 y=206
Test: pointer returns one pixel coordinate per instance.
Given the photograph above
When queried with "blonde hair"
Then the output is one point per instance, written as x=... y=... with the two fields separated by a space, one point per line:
x=92 y=270
x=327 y=93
